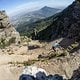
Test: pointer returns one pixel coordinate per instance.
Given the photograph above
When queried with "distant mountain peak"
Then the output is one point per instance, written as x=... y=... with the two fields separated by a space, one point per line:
x=49 y=9
x=46 y=8
x=24 y=18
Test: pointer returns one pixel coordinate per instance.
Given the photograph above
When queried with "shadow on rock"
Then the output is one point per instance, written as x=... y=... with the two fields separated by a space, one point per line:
x=66 y=43
x=33 y=47
x=76 y=74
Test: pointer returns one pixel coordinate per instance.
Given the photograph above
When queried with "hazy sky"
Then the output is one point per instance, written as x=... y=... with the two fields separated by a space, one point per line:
x=16 y=5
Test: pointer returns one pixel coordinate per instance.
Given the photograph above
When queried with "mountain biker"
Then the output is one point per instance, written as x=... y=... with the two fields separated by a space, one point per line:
x=55 y=45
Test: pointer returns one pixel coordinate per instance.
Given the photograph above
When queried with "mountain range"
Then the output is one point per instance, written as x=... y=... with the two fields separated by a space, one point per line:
x=65 y=24
x=24 y=18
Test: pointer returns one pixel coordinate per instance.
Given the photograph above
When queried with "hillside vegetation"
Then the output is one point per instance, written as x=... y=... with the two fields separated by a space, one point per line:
x=63 y=24
x=29 y=29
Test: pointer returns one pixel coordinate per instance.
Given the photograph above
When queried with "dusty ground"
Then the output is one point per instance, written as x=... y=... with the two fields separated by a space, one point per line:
x=13 y=57
x=10 y=72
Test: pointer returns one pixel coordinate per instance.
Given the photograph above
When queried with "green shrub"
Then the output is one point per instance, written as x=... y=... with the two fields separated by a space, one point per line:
x=56 y=54
x=2 y=43
x=25 y=63
x=12 y=40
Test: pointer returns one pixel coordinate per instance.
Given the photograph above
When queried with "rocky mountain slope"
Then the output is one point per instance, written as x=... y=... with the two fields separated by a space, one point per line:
x=29 y=29
x=63 y=24
x=8 y=34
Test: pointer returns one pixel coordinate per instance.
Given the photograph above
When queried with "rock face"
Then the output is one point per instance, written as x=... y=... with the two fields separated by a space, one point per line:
x=8 y=34
x=34 y=73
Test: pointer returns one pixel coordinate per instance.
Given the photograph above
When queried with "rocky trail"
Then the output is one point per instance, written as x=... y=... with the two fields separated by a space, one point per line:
x=11 y=65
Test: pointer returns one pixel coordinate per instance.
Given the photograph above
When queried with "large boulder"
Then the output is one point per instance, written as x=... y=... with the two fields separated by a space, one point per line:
x=8 y=34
